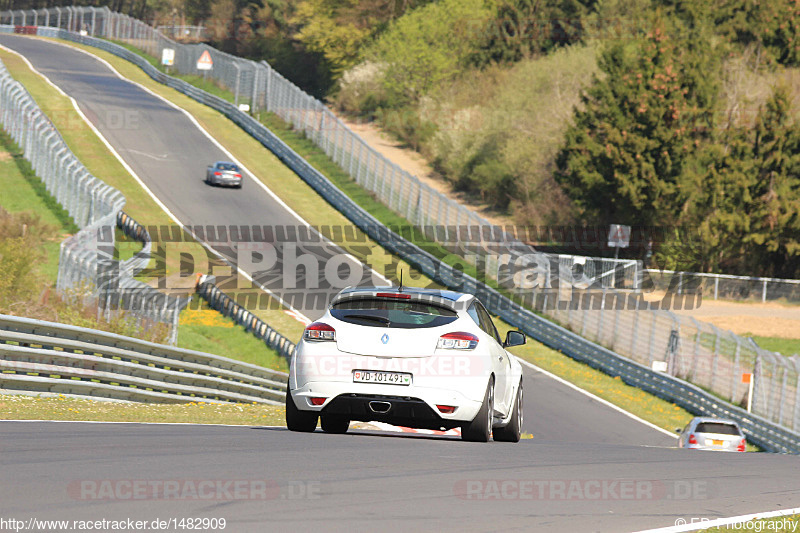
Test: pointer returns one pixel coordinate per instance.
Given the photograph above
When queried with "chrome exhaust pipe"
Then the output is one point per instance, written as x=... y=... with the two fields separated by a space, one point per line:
x=380 y=407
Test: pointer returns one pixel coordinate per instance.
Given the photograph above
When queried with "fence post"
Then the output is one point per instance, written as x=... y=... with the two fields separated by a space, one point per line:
x=714 y=362
x=782 y=395
x=236 y=90
x=796 y=414
x=635 y=329
x=716 y=287
x=764 y=292
x=600 y=319
x=653 y=339
x=734 y=380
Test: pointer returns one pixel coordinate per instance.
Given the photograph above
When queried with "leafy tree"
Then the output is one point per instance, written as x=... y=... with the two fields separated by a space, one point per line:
x=639 y=126
x=339 y=29
x=429 y=46
x=744 y=215
x=775 y=230
x=526 y=28
x=774 y=25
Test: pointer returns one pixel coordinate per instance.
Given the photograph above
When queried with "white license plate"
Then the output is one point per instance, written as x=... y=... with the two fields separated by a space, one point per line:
x=388 y=378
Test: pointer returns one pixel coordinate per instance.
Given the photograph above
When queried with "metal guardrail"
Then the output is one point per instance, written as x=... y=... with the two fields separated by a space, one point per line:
x=223 y=303
x=44 y=356
x=767 y=434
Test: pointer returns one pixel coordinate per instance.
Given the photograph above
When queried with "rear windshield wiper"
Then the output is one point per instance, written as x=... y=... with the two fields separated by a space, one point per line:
x=382 y=320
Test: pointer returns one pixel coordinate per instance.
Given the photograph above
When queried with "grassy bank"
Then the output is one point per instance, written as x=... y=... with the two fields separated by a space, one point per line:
x=13 y=407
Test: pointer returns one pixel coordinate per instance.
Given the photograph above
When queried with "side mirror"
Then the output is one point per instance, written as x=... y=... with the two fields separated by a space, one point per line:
x=514 y=338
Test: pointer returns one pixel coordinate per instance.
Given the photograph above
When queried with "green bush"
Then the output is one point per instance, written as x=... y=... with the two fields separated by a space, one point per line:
x=427 y=47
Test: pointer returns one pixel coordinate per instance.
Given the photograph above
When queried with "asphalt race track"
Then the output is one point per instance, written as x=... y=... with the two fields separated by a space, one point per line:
x=372 y=482
x=361 y=480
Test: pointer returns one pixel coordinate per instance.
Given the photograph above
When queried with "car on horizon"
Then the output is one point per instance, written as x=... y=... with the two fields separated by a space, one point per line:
x=224 y=173
x=419 y=358
x=719 y=434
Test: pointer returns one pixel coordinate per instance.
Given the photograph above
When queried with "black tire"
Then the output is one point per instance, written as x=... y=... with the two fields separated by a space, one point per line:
x=480 y=429
x=513 y=431
x=334 y=423
x=297 y=420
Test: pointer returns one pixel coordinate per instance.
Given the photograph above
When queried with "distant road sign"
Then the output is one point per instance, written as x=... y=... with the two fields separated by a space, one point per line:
x=205 y=62
x=619 y=236
x=168 y=57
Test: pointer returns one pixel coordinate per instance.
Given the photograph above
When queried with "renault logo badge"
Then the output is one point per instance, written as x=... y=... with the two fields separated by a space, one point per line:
x=385 y=339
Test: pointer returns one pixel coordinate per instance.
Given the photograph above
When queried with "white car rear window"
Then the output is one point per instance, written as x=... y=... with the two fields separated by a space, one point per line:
x=394 y=314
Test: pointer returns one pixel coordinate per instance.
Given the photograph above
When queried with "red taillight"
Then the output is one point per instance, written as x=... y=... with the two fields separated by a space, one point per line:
x=692 y=439
x=393 y=295
x=446 y=409
x=237 y=176
x=319 y=331
x=317 y=401
x=218 y=173
x=459 y=340
x=742 y=445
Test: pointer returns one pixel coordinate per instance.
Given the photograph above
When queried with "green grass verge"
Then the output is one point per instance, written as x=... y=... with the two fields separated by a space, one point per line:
x=28 y=191
x=13 y=407
x=24 y=191
x=207 y=330
x=777 y=344
x=300 y=197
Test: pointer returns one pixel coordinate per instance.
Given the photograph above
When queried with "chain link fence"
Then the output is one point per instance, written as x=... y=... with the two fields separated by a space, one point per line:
x=617 y=318
x=699 y=352
x=727 y=287
x=86 y=269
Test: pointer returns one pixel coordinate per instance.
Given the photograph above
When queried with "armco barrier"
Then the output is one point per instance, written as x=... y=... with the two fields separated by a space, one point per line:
x=767 y=434
x=50 y=357
x=223 y=303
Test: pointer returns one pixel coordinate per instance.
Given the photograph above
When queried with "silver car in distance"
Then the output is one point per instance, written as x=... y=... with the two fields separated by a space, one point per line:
x=224 y=173
x=719 y=434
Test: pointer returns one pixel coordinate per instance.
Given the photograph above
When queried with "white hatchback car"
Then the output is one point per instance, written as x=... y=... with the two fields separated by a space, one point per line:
x=411 y=357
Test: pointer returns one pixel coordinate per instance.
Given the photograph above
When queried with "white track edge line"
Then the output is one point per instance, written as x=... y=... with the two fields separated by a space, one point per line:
x=143 y=423
x=723 y=521
x=597 y=398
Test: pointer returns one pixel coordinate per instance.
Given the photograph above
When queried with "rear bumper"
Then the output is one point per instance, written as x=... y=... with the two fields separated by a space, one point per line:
x=395 y=410
x=228 y=183
x=409 y=406
x=710 y=448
